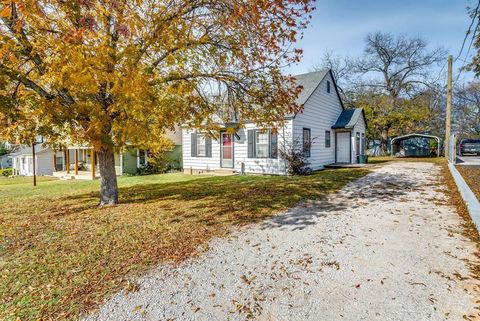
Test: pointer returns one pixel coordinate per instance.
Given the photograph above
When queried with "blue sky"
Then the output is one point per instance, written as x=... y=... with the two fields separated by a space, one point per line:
x=340 y=26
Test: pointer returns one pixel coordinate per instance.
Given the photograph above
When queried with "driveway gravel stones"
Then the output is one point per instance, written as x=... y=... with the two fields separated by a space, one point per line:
x=386 y=247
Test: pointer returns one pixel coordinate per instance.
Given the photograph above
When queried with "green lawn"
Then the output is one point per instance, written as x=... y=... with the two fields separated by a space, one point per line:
x=471 y=174
x=61 y=255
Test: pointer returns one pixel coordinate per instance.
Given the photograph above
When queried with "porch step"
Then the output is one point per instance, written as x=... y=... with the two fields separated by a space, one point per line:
x=348 y=165
x=225 y=171
x=66 y=178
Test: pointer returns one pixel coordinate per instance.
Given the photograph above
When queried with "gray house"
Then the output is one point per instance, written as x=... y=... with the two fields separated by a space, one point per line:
x=5 y=161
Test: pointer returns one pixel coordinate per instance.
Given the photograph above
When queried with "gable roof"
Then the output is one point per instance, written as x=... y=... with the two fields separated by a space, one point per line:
x=348 y=118
x=309 y=82
x=27 y=150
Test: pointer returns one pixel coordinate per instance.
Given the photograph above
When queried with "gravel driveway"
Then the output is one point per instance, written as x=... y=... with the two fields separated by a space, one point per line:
x=386 y=247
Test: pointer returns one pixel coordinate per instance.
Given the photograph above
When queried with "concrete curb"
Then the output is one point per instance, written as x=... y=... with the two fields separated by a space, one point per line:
x=473 y=205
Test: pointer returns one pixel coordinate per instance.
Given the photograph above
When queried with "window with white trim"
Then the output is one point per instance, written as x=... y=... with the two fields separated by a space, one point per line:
x=201 y=145
x=307 y=142
x=328 y=139
x=261 y=144
x=142 y=158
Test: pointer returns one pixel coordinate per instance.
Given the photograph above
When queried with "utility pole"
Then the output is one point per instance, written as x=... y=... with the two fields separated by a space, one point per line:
x=448 y=118
x=33 y=165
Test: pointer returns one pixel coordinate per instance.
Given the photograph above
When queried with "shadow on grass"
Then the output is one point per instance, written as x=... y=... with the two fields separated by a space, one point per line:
x=247 y=199
x=238 y=199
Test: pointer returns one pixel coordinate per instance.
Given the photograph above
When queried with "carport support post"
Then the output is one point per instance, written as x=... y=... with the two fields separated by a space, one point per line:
x=448 y=120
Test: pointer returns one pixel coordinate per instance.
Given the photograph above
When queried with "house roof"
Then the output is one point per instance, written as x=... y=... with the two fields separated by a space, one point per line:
x=27 y=150
x=309 y=82
x=348 y=118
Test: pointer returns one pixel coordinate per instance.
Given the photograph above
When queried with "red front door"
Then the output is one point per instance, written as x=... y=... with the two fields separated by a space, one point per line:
x=226 y=150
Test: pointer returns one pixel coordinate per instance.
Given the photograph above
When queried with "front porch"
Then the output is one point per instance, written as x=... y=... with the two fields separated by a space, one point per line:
x=80 y=162
x=75 y=162
x=82 y=175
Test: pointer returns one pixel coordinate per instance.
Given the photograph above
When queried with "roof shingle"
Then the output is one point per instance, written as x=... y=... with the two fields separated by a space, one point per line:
x=348 y=118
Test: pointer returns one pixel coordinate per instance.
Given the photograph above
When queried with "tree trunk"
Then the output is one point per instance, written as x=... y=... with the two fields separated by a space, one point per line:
x=384 y=142
x=108 y=176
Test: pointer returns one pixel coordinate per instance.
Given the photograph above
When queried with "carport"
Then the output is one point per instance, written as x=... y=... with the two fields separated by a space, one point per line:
x=415 y=145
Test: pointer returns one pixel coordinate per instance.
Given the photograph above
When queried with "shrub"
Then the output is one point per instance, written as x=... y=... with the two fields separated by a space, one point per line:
x=158 y=164
x=6 y=172
x=294 y=155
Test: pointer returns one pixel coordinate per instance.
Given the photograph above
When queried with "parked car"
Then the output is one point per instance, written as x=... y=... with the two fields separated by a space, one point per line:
x=469 y=146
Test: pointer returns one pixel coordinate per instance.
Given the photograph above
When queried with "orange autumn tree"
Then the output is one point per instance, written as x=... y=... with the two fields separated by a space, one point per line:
x=108 y=72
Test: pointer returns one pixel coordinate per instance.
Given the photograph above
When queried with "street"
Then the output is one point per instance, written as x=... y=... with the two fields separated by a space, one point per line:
x=468 y=160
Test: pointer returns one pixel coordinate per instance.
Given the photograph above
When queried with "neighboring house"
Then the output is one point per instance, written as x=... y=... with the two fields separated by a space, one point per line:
x=22 y=161
x=175 y=155
x=5 y=161
x=330 y=134
x=82 y=163
x=50 y=162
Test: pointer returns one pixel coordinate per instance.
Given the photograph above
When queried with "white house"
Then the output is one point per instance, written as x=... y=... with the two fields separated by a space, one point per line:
x=330 y=133
x=82 y=161
x=22 y=161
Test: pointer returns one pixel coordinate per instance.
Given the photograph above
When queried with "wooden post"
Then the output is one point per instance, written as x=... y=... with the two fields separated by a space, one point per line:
x=448 y=118
x=76 y=161
x=33 y=165
x=54 y=160
x=68 y=161
x=92 y=151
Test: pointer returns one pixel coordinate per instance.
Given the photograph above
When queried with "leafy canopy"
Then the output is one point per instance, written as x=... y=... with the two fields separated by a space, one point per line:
x=112 y=71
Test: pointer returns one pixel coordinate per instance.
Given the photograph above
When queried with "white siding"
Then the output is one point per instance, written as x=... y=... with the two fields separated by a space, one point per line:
x=360 y=127
x=175 y=135
x=252 y=165
x=16 y=165
x=44 y=163
x=320 y=113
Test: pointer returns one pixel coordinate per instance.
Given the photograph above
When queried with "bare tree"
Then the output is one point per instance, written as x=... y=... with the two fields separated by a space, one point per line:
x=343 y=69
x=398 y=65
x=467 y=110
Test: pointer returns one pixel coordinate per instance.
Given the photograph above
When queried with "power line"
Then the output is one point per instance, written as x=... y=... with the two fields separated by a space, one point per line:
x=469 y=31
x=466 y=55
x=475 y=13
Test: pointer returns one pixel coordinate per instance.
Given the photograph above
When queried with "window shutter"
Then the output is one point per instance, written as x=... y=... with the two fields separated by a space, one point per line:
x=250 y=138
x=194 y=144
x=273 y=145
x=208 y=146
